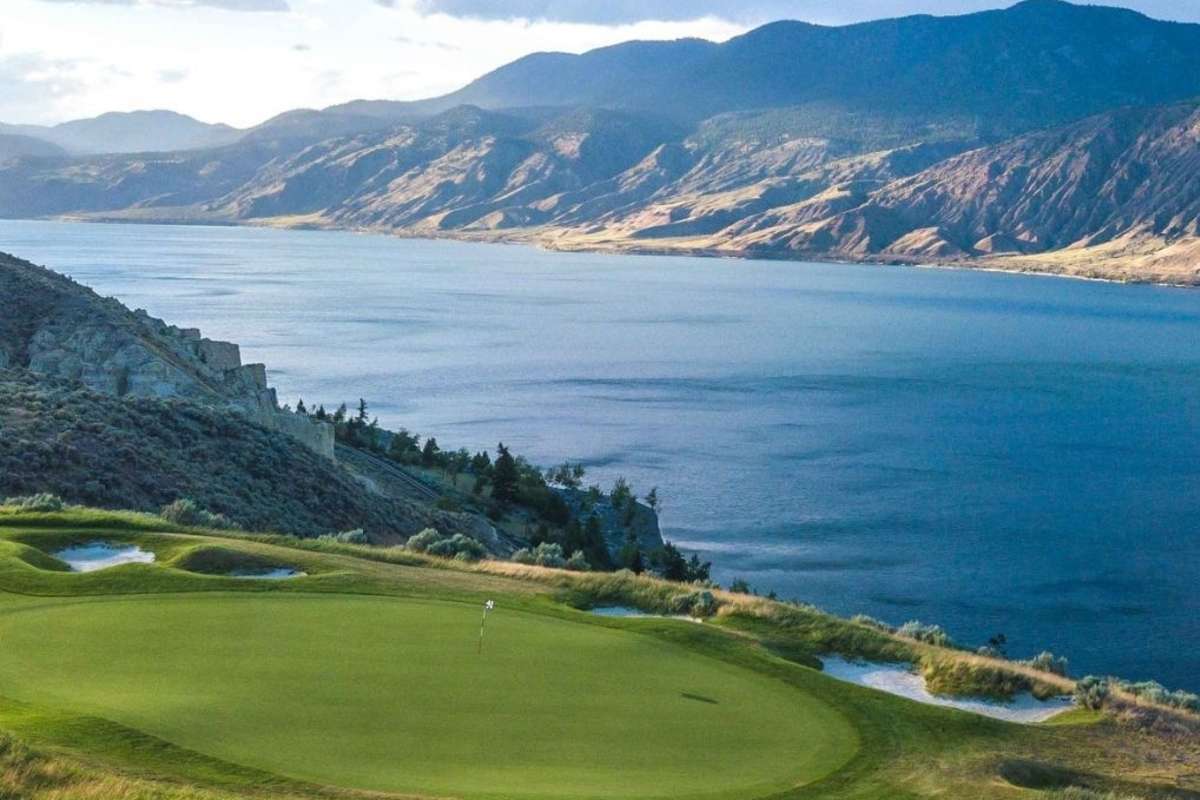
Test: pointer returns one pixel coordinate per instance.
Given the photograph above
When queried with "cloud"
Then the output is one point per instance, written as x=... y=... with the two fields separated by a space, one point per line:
x=612 y=12
x=172 y=75
x=30 y=80
x=226 y=5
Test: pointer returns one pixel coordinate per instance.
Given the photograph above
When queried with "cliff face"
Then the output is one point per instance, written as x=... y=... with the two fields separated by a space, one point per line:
x=55 y=327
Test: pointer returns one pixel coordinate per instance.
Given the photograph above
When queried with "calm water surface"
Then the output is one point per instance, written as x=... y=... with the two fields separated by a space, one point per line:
x=991 y=452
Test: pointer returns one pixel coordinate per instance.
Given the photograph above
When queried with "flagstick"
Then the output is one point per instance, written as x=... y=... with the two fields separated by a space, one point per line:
x=488 y=606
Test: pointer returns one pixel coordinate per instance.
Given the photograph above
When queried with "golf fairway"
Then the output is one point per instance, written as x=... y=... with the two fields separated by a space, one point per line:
x=390 y=695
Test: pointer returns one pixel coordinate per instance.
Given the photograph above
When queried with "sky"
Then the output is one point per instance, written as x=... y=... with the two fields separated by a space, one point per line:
x=243 y=61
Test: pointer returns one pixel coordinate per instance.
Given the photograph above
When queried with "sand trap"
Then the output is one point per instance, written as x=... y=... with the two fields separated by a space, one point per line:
x=102 y=555
x=897 y=679
x=629 y=611
x=277 y=574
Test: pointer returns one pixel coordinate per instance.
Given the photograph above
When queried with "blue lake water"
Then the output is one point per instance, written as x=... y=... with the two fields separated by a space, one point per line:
x=995 y=453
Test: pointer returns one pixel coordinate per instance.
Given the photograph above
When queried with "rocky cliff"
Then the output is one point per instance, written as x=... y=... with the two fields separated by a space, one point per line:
x=53 y=326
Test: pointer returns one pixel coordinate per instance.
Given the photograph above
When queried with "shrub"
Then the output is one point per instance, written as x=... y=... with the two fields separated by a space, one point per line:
x=929 y=634
x=871 y=622
x=421 y=542
x=43 y=501
x=578 y=562
x=356 y=536
x=458 y=546
x=1048 y=662
x=188 y=512
x=1155 y=692
x=694 y=604
x=546 y=554
x=1091 y=692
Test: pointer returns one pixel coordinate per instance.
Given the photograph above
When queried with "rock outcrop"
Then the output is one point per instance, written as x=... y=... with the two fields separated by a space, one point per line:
x=55 y=327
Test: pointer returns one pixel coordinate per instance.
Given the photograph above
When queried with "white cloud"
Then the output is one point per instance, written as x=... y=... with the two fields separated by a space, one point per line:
x=227 y=5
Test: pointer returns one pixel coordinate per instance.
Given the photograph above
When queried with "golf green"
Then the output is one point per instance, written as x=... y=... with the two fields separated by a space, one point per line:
x=389 y=694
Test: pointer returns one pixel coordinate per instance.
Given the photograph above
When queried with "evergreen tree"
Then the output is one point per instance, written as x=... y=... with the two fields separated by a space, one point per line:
x=429 y=453
x=361 y=417
x=300 y=407
x=505 y=476
x=631 y=557
x=594 y=547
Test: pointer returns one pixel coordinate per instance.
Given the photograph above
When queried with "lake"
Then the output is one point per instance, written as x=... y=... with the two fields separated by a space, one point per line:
x=993 y=453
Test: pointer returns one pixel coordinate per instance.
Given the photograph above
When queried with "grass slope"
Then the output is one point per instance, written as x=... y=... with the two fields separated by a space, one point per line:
x=389 y=694
x=153 y=682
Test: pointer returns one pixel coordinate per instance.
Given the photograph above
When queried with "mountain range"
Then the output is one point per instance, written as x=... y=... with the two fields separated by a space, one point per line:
x=1047 y=136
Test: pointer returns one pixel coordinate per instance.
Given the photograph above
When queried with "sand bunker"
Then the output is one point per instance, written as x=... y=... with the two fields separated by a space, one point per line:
x=898 y=679
x=629 y=611
x=277 y=574
x=102 y=555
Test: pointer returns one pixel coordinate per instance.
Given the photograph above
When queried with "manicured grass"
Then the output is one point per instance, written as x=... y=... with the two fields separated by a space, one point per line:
x=155 y=682
x=390 y=694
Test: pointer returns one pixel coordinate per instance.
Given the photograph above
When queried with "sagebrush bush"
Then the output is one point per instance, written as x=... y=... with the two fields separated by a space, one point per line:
x=929 y=634
x=458 y=546
x=420 y=542
x=1156 y=693
x=1048 y=662
x=578 y=562
x=43 y=501
x=356 y=536
x=546 y=554
x=188 y=512
x=1091 y=692
x=694 y=604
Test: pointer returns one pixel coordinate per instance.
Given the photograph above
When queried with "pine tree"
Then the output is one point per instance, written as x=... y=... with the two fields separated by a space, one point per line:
x=505 y=476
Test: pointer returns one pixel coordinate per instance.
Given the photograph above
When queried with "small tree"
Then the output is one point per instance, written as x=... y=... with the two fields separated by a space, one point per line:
x=429 y=453
x=620 y=494
x=361 y=416
x=653 y=501
x=505 y=476
x=631 y=557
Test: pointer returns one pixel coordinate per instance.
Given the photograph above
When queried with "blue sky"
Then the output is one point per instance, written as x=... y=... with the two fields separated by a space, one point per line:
x=241 y=61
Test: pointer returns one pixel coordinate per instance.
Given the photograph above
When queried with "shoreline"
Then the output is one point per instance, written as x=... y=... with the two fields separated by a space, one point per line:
x=542 y=240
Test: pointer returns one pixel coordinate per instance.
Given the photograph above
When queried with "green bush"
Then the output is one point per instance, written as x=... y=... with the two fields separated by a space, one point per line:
x=43 y=501
x=1091 y=692
x=458 y=546
x=694 y=604
x=421 y=542
x=188 y=512
x=578 y=562
x=546 y=554
x=356 y=536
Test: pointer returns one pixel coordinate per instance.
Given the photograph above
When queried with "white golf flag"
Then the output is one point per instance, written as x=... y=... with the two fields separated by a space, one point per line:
x=489 y=605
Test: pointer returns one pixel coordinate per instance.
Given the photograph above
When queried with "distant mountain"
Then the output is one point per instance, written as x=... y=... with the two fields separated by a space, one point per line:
x=17 y=146
x=1036 y=64
x=1045 y=136
x=131 y=132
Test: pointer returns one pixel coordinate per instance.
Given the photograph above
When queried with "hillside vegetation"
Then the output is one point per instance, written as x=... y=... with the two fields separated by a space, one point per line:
x=58 y=437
